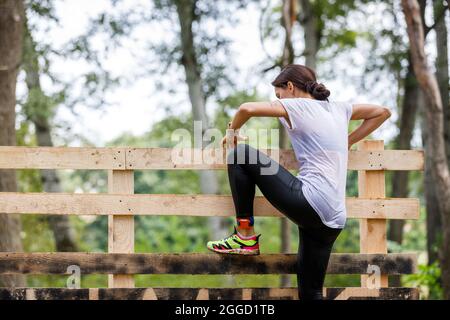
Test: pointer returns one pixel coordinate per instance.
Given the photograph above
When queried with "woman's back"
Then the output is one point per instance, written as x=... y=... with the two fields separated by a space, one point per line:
x=319 y=136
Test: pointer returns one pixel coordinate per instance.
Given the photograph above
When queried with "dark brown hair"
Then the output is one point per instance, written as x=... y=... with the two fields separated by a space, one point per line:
x=303 y=78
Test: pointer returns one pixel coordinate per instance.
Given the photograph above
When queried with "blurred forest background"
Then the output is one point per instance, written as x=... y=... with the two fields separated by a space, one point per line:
x=128 y=73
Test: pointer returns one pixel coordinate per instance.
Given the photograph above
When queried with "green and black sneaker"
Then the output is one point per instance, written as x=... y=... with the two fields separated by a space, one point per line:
x=234 y=244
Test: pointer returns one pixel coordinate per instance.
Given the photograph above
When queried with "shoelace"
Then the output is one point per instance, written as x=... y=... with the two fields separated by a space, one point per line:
x=231 y=235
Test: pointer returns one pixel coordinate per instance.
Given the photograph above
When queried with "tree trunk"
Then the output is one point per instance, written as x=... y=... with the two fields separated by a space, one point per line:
x=434 y=225
x=11 y=35
x=208 y=178
x=38 y=110
x=310 y=23
x=442 y=66
x=433 y=214
x=435 y=138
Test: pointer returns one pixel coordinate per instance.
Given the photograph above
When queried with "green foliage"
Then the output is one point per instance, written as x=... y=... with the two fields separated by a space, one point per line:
x=171 y=234
x=342 y=38
x=38 y=105
x=43 y=8
x=428 y=279
x=414 y=235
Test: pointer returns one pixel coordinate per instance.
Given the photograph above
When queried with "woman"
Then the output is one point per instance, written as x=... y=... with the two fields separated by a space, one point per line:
x=315 y=198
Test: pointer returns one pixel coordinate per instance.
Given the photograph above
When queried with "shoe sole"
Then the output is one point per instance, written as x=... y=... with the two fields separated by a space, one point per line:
x=237 y=251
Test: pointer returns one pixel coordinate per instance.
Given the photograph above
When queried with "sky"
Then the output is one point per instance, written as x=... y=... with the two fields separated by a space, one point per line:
x=137 y=106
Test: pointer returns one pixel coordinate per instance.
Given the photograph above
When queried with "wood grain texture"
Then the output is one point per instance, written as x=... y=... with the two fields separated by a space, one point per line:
x=183 y=205
x=385 y=159
x=121 y=227
x=62 y=158
x=289 y=293
x=372 y=184
x=196 y=263
x=20 y=157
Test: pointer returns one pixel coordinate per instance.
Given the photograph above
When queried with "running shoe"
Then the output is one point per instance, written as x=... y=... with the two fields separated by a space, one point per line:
x=234 y=244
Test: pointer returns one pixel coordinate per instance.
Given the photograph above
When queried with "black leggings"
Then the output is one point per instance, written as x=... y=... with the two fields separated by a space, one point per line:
x=248 y=167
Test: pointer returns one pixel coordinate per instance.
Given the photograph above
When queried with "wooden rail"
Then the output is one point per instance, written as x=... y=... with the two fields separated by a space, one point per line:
x=196 y=263
x=186 y=205
x=290 y=293
x=124 y=158
x=371 y=207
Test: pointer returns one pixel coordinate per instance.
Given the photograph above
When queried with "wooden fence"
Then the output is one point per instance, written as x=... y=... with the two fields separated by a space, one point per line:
x=371 y=207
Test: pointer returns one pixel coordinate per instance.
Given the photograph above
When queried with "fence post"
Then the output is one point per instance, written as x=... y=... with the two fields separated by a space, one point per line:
x=371 y=184
x=121 y=228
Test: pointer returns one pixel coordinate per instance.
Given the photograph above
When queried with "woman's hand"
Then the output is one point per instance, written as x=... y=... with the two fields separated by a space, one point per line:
x=373 y=116
x=232 y=139
x=232 y=136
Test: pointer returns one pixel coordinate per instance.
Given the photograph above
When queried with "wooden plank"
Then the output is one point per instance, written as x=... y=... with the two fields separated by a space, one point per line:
x=121 y=227
x=18 y=157
x=372 y=232
x=183 y=205
x=197 y=263
x=287 y=293
x=190 y=158
x=386 y=159
x=355 y=293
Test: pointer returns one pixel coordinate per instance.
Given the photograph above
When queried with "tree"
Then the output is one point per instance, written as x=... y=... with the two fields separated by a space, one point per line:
x=434 y=225
x=412 y=101
x=434 y=118
x=12 y=16
x=38 y=109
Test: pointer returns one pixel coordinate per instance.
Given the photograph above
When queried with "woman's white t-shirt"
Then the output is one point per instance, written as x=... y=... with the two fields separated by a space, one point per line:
x=319 y=137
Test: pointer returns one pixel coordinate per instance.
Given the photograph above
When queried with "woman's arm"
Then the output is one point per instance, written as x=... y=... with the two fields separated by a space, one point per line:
x=373 y=116
x=252 y=109
x=258 y=109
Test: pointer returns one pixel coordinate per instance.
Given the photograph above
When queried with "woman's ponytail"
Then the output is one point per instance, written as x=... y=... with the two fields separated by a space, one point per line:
x=303 y=78
x=317 y=90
